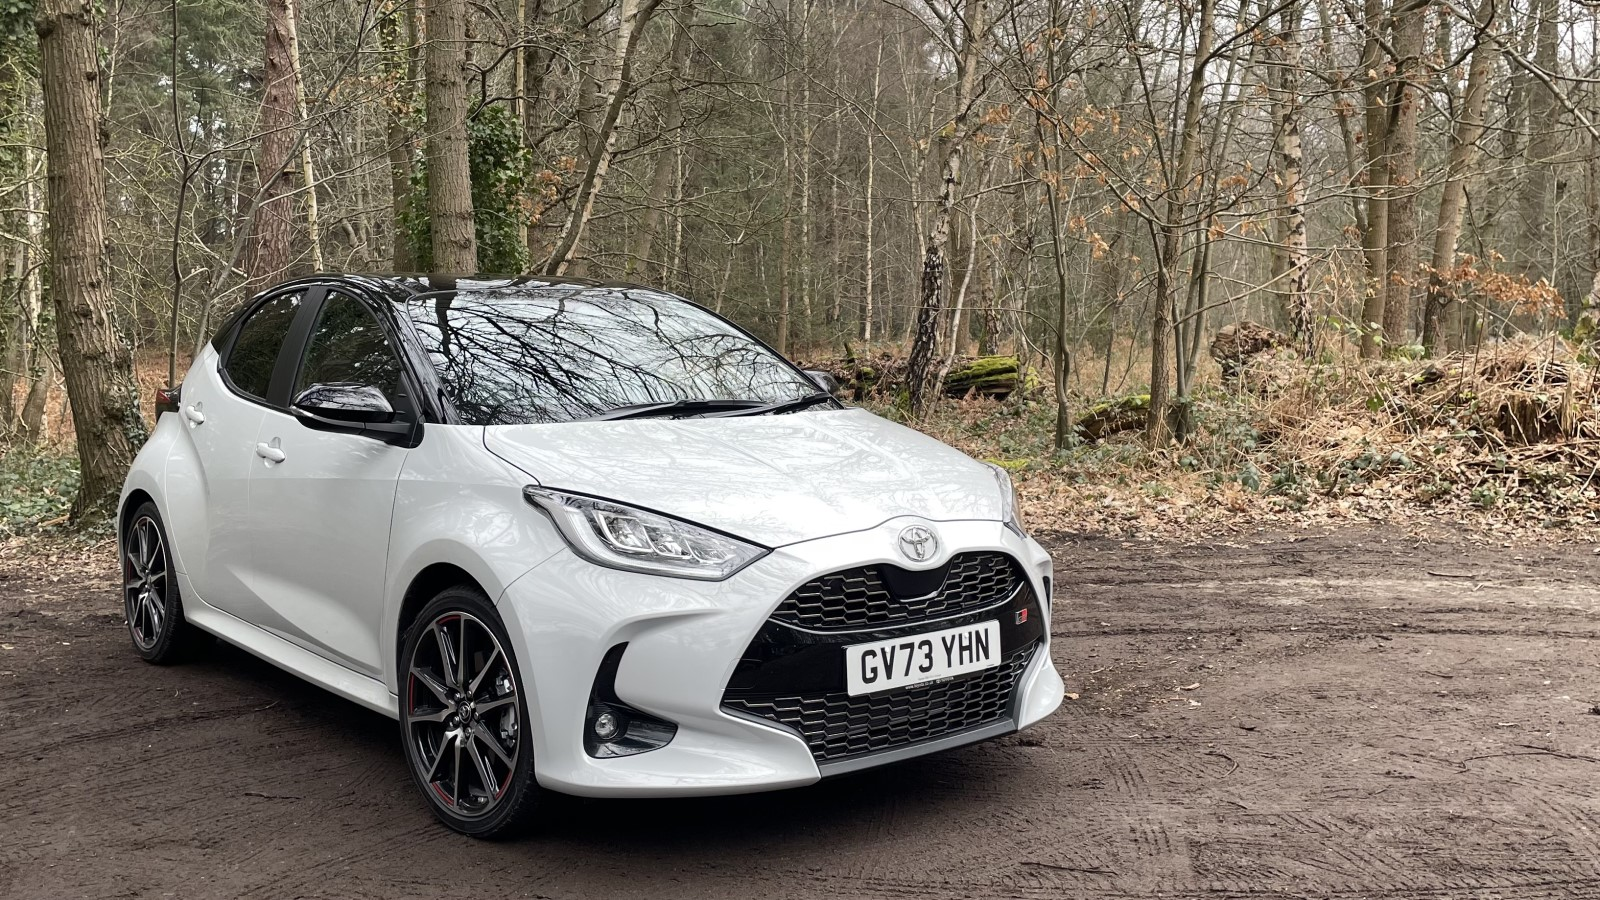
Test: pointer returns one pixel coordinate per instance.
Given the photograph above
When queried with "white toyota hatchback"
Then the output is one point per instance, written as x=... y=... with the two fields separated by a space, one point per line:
x=579 y=536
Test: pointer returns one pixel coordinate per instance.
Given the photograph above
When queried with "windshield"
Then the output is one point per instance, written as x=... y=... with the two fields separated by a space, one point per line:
x=532 y=353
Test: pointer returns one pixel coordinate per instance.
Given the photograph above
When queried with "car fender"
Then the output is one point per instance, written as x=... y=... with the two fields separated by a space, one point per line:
x=459 y=505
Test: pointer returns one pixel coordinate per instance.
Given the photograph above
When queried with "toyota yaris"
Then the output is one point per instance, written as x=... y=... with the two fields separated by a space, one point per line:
x=583 y=537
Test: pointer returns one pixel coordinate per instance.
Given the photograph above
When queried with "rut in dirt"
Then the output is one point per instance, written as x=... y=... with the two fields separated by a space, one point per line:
x=1289 y=717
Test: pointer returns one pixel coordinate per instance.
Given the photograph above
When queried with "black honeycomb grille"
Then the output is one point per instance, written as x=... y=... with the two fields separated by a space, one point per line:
x=838 y=726
x=859 y=597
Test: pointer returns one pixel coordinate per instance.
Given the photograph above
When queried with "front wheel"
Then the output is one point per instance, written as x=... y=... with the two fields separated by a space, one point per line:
x=463 y=718
x=150 y=597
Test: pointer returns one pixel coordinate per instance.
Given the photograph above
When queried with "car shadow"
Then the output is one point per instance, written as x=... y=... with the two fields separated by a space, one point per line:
x=938 y=791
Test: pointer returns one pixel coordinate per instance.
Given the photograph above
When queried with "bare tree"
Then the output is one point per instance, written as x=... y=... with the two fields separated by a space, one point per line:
x=455 y=244
x=964 y=28
x=635 y=15
x=1169 y=230
x=671 y=124
x=1294 y=287
x=398 y=29
x=1375 y=138
x=95 y=358
x=272 y=233
x=1452 y=202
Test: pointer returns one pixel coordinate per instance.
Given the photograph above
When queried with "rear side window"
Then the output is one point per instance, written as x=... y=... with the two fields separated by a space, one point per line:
x=255 y=350
x=348 y=347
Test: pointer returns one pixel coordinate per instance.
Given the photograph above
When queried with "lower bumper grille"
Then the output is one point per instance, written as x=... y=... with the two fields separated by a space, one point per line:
x=838 y=726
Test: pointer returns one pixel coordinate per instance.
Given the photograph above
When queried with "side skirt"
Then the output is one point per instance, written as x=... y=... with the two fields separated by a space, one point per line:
x=291 y=658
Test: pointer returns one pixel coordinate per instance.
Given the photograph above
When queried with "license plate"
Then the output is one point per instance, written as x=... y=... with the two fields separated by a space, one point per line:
x=921 y=658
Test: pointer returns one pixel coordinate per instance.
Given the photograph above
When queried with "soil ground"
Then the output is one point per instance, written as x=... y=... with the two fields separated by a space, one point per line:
x=1359 y=714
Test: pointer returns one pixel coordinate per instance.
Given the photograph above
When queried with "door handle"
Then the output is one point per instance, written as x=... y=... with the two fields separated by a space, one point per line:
x=193 y=414
x=270 y=453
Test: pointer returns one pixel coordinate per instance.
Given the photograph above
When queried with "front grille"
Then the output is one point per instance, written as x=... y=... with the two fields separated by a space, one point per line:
x=837 y=726
x=862 y=597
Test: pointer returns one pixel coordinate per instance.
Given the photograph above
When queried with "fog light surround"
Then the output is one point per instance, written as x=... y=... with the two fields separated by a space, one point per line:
x=611 y=727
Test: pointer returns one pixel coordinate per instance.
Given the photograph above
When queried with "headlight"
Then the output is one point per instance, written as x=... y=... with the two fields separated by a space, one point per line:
x=622 y=537
x=1009 y=512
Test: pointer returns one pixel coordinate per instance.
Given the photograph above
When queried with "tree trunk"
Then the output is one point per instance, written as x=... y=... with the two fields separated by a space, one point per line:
x=786 y=240
x=635 y=15
x=1534 y=248
x=272 y=231
x=13 y=332
x=869 y=310
x=1344 y=112
x=1452 y=201
x=455 y=242
x=807 y=127
x=921 y=367
x=31 y=426
x=308 y=175
x=536 y=89
x=671 y=123
x=1402 y=181
x=402 y=75
x=34 y=364
x=1375 y=239
x=96 y=360
x=1157 y=427
x=1294 y=290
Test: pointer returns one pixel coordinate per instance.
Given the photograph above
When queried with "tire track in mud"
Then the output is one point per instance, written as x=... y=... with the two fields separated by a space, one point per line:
x=1376 y=761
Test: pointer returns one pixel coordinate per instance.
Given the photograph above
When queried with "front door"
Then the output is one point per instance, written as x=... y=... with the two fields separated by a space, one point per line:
x=321 y=501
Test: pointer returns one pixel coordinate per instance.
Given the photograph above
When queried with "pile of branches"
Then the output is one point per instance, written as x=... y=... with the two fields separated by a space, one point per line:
x=1514 y=424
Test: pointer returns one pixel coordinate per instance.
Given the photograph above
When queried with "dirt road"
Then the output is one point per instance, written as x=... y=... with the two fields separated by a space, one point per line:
x=1356 y=715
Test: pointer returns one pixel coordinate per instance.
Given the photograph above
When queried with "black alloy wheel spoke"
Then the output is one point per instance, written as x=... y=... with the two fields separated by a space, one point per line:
x=144 y=582
x=461 y=714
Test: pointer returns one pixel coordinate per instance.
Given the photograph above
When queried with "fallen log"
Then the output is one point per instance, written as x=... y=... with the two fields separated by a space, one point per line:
x=987 y=376
x=1111 y=416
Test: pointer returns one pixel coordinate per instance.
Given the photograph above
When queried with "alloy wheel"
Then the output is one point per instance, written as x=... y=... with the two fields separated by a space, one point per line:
x=462 y=714
x=144 y=582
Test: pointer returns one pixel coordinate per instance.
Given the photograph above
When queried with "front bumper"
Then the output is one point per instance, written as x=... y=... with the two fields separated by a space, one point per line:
x=685 y=642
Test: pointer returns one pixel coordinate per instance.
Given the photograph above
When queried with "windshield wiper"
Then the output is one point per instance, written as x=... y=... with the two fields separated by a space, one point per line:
x=674 y=408
x=782 y=406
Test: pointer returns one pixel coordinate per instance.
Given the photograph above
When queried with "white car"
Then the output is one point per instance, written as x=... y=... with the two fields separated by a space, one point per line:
x=584 y=537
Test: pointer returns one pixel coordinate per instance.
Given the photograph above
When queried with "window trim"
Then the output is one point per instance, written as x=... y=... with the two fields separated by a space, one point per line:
x=293 y=337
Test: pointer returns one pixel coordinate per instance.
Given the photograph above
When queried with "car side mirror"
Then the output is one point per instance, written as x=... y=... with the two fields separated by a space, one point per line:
x=356 y=409
x=345 y=404
x=823 y=380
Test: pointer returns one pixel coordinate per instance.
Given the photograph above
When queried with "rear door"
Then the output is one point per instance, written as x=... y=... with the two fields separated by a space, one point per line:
x=321 y=508
x=223 y=401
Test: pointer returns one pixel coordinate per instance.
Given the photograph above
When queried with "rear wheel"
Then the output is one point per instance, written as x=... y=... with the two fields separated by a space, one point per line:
x=150 y=597
x=463 y=718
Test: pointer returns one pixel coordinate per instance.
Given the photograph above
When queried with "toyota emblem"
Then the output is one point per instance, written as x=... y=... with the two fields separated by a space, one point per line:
x=918 y=543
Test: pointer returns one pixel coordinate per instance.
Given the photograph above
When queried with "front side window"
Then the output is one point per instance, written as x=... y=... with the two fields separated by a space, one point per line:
x=255 y=351
x=525 y=354
x=347 y=346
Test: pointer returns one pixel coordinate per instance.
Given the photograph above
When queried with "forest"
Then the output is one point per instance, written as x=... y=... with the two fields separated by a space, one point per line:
x=1169 y=261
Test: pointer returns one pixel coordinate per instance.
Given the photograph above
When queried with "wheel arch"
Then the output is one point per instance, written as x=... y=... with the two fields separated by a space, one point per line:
x=424 y=586
x=136 y=498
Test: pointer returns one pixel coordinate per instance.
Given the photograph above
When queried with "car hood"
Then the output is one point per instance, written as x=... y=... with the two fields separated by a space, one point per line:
x=774 y=479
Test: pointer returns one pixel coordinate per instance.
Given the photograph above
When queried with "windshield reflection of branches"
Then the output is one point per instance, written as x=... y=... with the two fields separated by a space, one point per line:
x=509 y=357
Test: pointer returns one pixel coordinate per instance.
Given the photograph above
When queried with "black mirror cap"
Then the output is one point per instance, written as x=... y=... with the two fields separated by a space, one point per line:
x=346 y=403
x=824 y=380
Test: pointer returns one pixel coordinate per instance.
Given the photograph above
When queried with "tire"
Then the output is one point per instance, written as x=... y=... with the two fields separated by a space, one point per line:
x=150 y=595
x=464 y=718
